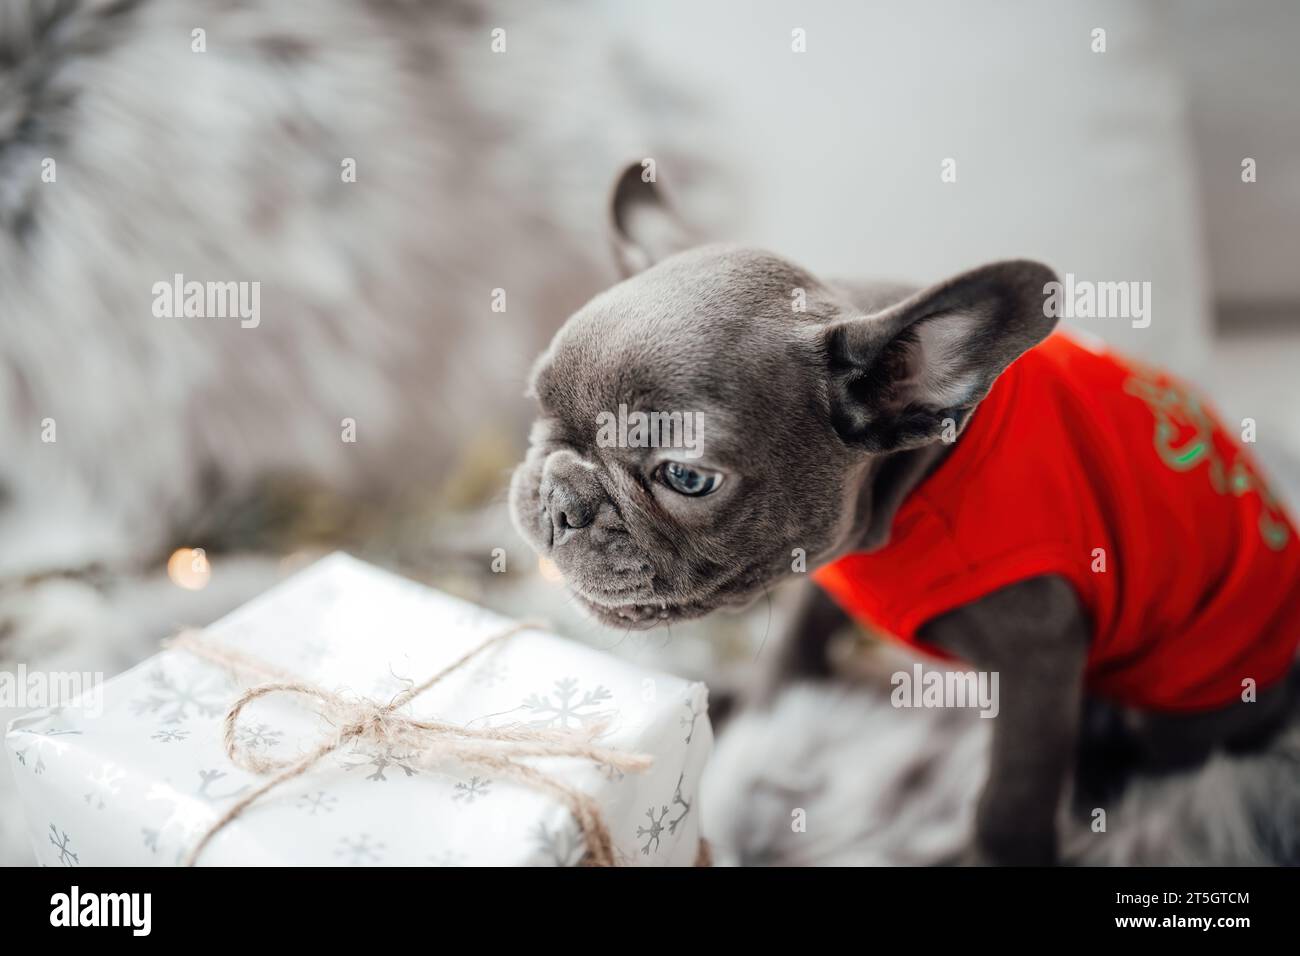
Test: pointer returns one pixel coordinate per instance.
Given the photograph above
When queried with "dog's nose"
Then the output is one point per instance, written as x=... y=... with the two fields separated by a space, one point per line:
x=570 y=495
x=568 y=513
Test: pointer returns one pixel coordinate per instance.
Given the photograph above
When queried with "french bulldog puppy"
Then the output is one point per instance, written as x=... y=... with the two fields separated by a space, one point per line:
x=817 y=423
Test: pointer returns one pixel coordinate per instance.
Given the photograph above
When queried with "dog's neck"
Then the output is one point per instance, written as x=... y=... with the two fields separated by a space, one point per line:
x=885 y=485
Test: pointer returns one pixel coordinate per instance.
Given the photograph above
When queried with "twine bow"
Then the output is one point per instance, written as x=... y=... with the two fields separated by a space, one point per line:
x=498 y=749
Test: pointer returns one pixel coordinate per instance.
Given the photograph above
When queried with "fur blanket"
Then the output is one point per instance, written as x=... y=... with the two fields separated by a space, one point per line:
x=128 y=155
x=880 y=786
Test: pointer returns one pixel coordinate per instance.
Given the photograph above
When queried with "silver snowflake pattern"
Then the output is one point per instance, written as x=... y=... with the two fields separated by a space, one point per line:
x=565 y=709
x=689 y=718
x=188 y=814
x=653 y=831
x=563 y=847
x=175 y=700
x=42 y=742
x=104 y=785
x=259 y=737
x=359 y=850
x=318 y=802
x=381 y=761
x=207 y=778
x=63 y=844
x=471 y=791
x=168 y=736
x=185 y=817
x=679 y=801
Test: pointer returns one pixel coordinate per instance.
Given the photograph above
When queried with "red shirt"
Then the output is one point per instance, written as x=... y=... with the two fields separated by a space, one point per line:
x=1118 y=478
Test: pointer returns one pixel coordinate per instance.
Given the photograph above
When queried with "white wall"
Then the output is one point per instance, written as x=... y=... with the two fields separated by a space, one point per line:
x=1243 y=77
x=1077 y=158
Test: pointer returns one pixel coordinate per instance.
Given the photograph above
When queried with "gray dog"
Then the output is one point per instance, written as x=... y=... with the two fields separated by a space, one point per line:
x=818 y=422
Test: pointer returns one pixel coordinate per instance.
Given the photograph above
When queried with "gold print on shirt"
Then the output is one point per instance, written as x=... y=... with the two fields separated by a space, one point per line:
x=1185 y=438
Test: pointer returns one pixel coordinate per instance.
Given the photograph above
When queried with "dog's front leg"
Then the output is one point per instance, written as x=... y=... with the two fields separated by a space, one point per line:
x=1035 y=636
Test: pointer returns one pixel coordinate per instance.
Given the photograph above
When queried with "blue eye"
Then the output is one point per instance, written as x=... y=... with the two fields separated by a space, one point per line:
x=685 y=480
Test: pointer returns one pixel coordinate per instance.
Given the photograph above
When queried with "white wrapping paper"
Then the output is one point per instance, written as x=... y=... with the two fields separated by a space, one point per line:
x=139 y=783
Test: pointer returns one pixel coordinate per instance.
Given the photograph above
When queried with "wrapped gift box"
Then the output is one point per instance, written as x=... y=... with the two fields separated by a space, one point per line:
x=140 y=782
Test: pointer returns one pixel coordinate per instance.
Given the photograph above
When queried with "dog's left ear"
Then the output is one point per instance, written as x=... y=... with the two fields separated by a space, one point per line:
x=645 y=227
x=898 y=377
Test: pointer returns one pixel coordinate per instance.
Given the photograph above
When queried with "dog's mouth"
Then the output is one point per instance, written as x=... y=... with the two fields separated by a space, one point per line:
x=631 y=615
x=623 y=612
x=645 y=611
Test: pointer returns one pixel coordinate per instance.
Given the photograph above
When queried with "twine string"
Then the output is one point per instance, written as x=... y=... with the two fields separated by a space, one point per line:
x=497 y=749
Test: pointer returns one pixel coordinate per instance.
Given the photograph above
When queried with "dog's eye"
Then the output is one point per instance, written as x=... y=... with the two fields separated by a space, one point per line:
x=686 y=480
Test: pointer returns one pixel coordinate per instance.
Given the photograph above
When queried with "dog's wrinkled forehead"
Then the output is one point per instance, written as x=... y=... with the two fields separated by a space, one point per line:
x=691 y=333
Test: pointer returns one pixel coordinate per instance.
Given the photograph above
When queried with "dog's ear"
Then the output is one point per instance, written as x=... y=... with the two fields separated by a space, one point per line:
x=899 y=377
x=645 y=228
